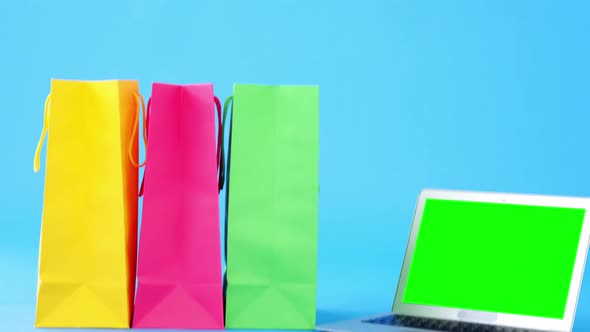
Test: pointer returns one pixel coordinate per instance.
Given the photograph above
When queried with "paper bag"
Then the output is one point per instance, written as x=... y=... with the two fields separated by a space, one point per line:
x=89 y=224
x=179 y=263
x=272 y=213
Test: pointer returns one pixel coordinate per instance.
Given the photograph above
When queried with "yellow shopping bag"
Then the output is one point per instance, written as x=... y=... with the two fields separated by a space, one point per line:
x=89 y=228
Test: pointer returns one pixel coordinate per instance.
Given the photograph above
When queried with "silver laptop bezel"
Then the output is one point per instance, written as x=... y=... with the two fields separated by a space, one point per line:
x=500 y=319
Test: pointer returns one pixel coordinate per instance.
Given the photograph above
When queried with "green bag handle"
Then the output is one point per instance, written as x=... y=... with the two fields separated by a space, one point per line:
x=222 y=176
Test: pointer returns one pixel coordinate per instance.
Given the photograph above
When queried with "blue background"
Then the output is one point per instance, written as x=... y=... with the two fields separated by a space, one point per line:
x=478 y=95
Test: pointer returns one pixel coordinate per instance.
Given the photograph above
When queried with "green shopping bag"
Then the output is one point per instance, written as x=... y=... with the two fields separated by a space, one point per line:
x=272 y=212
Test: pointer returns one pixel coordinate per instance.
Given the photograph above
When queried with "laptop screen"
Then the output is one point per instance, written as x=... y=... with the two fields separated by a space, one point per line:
x=504 y=258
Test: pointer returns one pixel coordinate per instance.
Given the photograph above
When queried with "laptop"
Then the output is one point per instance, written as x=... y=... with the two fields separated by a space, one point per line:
x=488 y=262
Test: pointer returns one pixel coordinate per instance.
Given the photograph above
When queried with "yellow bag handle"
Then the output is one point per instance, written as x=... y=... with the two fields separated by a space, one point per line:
x=140 y=102
x=37 y=159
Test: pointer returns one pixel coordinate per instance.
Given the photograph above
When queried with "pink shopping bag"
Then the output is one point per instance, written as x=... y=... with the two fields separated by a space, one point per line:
x=179 y=262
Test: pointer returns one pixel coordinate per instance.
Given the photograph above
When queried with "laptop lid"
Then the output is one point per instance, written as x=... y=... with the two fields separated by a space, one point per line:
x=492 y=258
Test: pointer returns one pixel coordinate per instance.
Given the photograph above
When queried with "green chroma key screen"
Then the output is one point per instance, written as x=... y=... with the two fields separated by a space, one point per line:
x=506 y=258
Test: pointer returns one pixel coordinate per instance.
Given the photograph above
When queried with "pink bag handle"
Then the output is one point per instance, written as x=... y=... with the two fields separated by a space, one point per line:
x=219 y=143
x=147 y=125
